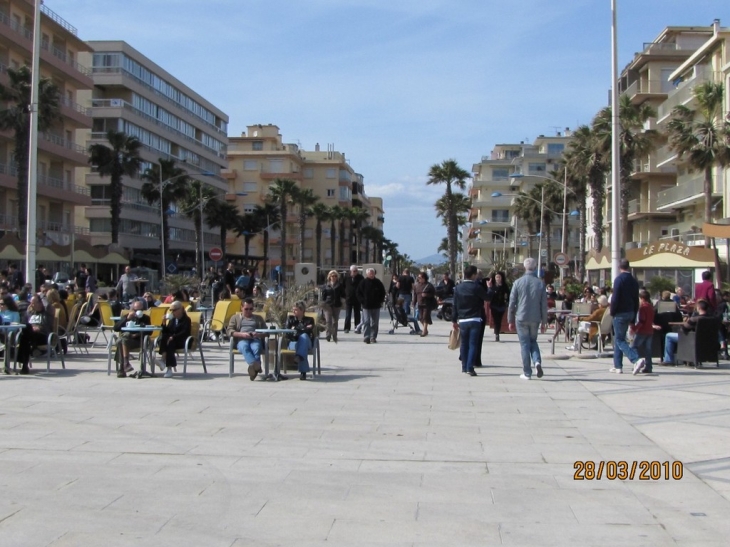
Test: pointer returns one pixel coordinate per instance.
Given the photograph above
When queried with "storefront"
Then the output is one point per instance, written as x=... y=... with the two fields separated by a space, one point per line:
x=671 y=259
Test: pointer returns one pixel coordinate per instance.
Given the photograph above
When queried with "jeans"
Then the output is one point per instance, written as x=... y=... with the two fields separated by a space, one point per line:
x=371 y=320
x=671 y=340
x=250 y=349
x=621 y=322
x=301 y=346
x=349 y=309
x=642 y=344
x=527 y=335
x=470 y=338
x=407 y=299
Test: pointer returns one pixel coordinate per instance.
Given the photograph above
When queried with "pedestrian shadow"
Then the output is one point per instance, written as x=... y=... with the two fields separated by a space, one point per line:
x=337 y=378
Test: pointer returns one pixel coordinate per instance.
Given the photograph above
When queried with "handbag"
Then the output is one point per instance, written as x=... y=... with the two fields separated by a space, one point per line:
x=455 y=339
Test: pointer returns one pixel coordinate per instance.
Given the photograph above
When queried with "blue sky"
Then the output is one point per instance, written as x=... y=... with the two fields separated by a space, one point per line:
x=396 y=85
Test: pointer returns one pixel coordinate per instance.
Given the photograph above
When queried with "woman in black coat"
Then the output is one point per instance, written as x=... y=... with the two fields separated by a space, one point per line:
x=174 y=332
x=499 y=302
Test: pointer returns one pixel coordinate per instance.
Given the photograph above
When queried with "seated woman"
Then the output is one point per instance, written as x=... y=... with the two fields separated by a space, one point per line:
x=174 y=332
x=38 y=325
x=129 y=340
x=301 y=340
x=9 y=310
x=588 y=328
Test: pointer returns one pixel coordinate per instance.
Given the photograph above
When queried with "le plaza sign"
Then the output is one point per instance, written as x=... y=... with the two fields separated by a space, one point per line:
x=666 y=247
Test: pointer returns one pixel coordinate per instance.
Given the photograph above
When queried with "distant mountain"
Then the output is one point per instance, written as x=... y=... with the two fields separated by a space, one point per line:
x=431 y=259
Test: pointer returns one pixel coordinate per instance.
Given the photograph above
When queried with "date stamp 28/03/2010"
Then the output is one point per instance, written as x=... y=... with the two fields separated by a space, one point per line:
x=624 y=470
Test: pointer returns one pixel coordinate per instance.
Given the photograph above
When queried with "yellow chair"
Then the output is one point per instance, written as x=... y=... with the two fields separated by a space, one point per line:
x=222 y=313
x=314 y=351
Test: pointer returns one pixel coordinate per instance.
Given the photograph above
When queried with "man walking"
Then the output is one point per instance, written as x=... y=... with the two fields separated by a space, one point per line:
x=469 y=298
x=405 y=290
x=127 y=285
x=624 y=307
x=352 y=304
x=370 y=293
x=527 y=310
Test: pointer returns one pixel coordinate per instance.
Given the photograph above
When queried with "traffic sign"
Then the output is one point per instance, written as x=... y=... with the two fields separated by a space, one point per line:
x=561 y=259
x=215 y=254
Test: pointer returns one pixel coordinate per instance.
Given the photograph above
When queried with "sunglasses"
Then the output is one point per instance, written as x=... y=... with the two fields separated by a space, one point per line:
x=247 y=309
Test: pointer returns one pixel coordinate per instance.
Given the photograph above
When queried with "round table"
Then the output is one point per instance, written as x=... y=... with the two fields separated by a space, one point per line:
x=277 y=359
x=146 y=350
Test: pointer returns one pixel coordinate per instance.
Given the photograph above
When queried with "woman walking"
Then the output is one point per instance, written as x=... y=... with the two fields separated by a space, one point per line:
x=426 y=301
x=498 y=304
x=332 y=294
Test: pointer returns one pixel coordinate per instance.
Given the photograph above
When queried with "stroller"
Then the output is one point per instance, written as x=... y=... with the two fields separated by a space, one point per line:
x=398 y=318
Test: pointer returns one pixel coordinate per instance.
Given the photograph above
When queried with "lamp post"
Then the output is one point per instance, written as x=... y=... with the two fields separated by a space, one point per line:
x=615 y=150
x=465 y=236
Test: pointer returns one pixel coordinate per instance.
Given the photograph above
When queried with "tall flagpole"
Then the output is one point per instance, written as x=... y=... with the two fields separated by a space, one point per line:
x=615 y=151
x=30 y=235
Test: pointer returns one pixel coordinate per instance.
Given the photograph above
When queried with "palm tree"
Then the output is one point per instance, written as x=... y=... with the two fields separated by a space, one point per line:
x=371 y=235
x=225 y=216
x=191 y=205
x=321 y=213
x=336 y=213
x=358 y=215
x=117 y=160
x=173 y=191
x=16 y=118
x=586 y=162
x=635 y=142
x=528 y=210
x=280 y=193
x=703 y=136
x=305 y=198
x=450 y=174
x=267 y=217
x=247 y=226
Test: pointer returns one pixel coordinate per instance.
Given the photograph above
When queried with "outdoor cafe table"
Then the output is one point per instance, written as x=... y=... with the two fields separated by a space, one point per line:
x=559 y=325
x=277 y=333
x=146 y=348
x=8 y=330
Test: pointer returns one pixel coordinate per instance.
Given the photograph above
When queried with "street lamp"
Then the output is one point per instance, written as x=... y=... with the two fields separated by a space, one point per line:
x=464 y=237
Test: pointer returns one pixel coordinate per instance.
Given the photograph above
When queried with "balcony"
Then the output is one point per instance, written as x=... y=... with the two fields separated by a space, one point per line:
x=685 y=91
x=271 y=175
x=665 y=157
x=66 y=149
x=683 y=195
x=640 y=90
x=647 y=166
x=637 y=210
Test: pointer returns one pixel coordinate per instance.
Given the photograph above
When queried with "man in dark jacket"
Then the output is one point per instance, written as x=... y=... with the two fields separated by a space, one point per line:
x=370 y=293
x=469 y=298
x=624 y=307
x=352 y=304
x=174 y=333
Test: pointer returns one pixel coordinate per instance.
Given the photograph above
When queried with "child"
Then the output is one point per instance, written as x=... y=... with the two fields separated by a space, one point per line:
x=644 y=331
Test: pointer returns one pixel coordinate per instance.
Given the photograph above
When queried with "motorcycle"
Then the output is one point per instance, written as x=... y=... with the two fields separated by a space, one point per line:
x=446 y=309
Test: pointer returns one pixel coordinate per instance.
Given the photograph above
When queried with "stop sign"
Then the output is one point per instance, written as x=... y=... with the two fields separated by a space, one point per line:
x=215 y=254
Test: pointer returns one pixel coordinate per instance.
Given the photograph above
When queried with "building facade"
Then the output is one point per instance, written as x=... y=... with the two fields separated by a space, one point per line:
x=257 y=158
x=61 y=148
x=497 y=235
x=133 y=94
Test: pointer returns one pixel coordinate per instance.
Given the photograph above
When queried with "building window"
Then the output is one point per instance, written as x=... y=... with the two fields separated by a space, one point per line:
x=555 y=148
x=500 y=215
x=250 y=165
x=257 y=145
x=536 y=169
x=250 y=187
x=308 y=173
x=331 y=173
x=500 y=174
x=330 y=192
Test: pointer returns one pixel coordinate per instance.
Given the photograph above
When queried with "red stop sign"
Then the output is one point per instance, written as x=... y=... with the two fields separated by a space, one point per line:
x=215 y=254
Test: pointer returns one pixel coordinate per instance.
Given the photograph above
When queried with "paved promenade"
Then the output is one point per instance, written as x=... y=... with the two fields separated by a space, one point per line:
x=391 y=446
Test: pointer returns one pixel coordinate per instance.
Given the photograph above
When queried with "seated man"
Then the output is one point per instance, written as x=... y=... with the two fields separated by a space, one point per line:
x=249 y=343
x=301 y=340
x=174 y=332
x=129 y=340
x=690 y=324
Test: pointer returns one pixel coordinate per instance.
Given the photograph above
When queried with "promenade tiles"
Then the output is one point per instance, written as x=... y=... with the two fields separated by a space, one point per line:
x=391 y=446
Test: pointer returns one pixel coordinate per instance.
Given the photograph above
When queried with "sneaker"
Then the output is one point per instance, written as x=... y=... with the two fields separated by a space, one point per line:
x=523 y=376
x=346 y=331
x=168 y=373
x=121 y=374
x=472 y=372
x=538 y=368
x=373 y=341
x=639 y=366
x=616 y=370
x=367 y=340
x=128 y=367
x=358 y=331
x=159 y=363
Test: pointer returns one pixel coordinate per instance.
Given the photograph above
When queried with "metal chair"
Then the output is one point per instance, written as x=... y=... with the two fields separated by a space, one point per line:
x=314 y=351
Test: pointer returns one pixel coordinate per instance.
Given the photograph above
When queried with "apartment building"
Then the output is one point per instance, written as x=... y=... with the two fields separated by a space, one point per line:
x=666 y=211
x=133 y=94
x=61 y=149
x=496 y=233
x=257 y=158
